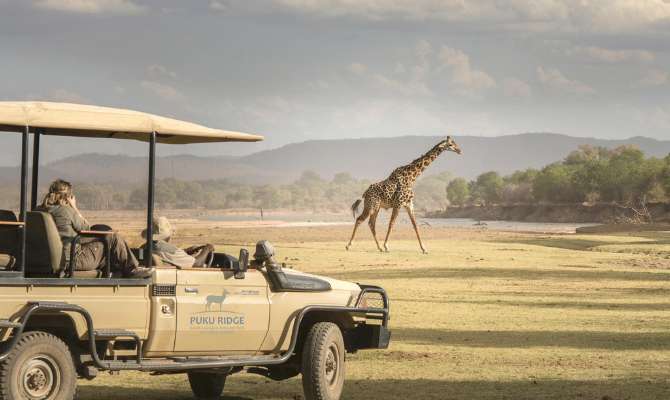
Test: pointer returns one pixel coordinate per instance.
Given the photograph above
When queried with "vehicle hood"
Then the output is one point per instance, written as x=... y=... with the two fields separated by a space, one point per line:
x=335 y=284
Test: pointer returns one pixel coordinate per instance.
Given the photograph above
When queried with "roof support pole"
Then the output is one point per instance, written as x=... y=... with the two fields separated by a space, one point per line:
x=36 y=168
x=150 y=199
x=24 y=197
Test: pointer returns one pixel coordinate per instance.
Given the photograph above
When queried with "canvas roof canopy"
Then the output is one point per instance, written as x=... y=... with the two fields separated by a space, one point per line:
x=65 y=119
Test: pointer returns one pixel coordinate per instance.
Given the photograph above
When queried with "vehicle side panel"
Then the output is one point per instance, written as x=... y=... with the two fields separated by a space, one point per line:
x=284 y=306
x=218 y=314
x=163 y=323
x=112 y=307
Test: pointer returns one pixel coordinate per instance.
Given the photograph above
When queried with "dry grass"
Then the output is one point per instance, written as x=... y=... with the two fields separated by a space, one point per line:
x=486 y=315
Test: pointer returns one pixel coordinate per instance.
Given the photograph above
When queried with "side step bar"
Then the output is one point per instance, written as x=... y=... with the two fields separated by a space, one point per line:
x=4 y=323
x=111 y=334
x=174 y=365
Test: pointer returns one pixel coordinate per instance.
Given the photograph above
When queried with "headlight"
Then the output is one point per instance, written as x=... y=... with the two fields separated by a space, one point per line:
x=363 y=303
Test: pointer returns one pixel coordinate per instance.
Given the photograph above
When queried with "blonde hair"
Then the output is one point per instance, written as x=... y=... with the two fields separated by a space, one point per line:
x=60 y=192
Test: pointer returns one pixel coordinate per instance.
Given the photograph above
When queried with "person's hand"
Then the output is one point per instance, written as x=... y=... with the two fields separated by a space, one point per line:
x=192 y=249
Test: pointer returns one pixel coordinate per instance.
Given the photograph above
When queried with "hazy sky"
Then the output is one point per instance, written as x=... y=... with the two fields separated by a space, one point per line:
x=309 y=69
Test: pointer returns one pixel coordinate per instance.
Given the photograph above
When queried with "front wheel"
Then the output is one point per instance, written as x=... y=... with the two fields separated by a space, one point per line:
x=206 y=386
x=40 y=367
x=323 y=362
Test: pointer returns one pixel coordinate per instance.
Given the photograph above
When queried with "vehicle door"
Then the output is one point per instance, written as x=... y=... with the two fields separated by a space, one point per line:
x=218 y=313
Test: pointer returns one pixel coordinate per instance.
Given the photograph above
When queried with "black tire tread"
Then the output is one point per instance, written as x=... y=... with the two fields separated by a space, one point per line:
x=316 y=339
x=205 y=385
x=28 y=339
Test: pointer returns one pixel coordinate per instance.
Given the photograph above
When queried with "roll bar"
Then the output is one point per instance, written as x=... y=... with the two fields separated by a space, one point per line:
x=25 y=136
x=79 y=120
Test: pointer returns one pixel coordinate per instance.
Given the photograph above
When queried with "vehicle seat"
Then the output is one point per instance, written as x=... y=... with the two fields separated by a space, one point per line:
x=9 y=240
x=44 y=249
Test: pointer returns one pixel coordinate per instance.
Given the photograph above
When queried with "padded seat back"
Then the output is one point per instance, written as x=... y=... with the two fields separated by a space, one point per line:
x=44 y=249
x=9 y=237
x=8 y=215
x=155 y=258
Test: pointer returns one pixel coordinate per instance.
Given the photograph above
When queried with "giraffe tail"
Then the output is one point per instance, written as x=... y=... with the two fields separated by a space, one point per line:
x=354 y=207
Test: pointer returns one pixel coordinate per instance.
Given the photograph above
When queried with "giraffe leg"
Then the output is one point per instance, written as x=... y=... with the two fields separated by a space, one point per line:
x=410 y=212
x=372 y=222
x=364 y=215
x=394 y=215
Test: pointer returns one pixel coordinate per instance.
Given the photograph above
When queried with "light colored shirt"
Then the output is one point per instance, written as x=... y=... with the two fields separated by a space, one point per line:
x=173 y=255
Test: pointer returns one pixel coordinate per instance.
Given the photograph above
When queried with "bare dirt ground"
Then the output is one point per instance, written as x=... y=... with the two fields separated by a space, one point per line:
x=485 y=315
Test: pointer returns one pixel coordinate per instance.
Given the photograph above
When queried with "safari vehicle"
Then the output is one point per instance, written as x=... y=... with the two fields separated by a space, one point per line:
x=58 y=324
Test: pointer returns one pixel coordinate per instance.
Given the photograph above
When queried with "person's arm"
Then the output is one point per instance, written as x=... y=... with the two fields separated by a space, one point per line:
x=79 y=223
x=180 y=258
x=193 y=249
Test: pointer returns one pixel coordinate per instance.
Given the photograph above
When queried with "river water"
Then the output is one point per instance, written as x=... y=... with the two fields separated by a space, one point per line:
x=310 y=219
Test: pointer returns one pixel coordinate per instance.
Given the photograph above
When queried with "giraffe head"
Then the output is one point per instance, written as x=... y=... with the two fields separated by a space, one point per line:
x=450 y=145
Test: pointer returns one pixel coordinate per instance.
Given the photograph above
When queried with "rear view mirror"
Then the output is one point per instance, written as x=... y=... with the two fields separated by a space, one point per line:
x=242 y=265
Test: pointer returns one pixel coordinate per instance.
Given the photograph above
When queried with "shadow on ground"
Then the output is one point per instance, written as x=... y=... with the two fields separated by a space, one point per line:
x=616 y=389
x=103 y=392
x=575 y=305
x=652 y=388
x=522 y=274
x=527 y=339
x=585 y=244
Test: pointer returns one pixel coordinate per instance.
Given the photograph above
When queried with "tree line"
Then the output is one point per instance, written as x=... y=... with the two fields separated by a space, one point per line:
x=589 y=174
x=308 y=192
x=622 y=175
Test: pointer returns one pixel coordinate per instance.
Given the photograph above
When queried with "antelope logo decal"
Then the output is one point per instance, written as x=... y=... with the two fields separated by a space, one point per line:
x=214 y=299
x=217 y=319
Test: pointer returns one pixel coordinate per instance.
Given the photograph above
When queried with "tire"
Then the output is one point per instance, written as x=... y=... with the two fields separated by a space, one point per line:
x=206 y=386
x=323 y=362
x=40 y=367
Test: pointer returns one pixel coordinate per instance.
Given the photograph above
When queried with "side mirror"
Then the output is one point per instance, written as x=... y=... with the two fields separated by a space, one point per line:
x=243 y=264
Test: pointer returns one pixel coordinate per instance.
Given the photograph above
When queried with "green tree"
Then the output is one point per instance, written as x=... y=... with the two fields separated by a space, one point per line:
x=518 y=187
x=620 y=180
x=458 y=192
x=138 y=198
x=165 y=193
x=92 y=197
x=650 y=185
x=524 y=176
x=429 y=191
x=586 y=154
x=267 y=196
x=554 y=184
x=488 y=187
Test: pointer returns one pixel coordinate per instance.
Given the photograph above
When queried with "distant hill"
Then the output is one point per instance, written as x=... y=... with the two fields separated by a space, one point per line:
x=364 y=158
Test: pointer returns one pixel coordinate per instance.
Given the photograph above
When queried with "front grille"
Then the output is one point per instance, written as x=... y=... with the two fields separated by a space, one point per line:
x=163 y=290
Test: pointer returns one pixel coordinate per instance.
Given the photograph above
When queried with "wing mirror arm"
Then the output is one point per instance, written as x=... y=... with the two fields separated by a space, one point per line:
x=243 y=265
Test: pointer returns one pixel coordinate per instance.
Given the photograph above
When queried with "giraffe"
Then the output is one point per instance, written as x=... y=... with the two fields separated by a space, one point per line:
x=395 y=192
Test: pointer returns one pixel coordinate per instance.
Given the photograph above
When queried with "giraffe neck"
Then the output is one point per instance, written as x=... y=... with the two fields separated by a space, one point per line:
x=413 y=170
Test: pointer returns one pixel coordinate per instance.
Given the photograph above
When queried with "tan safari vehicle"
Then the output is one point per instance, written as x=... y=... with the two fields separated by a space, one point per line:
x=58 y=325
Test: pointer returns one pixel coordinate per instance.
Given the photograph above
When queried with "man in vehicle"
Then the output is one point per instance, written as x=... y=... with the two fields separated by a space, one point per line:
x=61 y=203
x=194 y=256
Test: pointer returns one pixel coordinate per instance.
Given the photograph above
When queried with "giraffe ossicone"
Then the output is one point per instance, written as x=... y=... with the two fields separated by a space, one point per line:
x=397 y=192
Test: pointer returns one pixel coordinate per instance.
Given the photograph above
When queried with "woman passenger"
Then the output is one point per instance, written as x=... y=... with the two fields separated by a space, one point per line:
x=61 y=203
